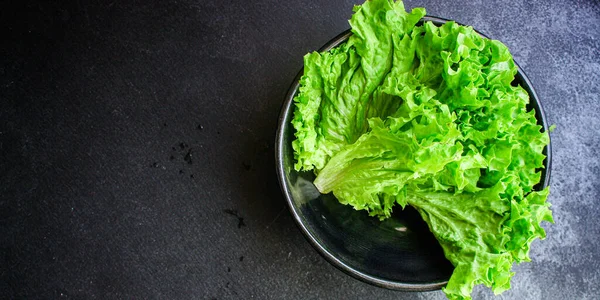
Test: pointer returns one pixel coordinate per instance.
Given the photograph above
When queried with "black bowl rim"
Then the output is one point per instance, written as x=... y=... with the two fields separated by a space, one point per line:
x=331 y=257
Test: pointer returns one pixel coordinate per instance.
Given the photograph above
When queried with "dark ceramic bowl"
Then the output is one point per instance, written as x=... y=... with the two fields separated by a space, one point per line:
x=399 y=253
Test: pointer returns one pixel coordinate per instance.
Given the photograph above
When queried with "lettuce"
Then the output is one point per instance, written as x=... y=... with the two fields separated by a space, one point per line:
x=338 y=87
x=427 y=116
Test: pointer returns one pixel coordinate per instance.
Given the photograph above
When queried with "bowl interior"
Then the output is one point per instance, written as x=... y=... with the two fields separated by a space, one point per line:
x=398 y=253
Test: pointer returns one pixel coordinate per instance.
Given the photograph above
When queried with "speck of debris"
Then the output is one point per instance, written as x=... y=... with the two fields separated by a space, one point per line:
x=191 y=175
x=247 y=166
x=155 y=165
x=241 y=258
x=183 y=145
x=218 y=132
x=164 y=124
x=234 y=213
x=188 y=157
x=228 y=269
x=200 y=127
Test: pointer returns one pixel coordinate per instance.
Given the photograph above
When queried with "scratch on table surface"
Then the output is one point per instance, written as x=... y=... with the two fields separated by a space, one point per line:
x=276 y=217
x=551 y=57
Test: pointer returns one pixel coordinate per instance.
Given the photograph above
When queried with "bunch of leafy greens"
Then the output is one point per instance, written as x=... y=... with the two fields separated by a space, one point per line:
x=426 y=116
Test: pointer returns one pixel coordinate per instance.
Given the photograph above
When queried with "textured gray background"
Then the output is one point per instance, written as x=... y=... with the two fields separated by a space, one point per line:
x=98 y=201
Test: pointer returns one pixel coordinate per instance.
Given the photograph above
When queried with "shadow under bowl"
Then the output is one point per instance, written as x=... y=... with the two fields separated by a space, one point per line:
x=399 y=253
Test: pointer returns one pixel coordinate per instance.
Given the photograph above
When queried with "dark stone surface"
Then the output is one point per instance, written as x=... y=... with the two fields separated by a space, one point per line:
x=136 y=146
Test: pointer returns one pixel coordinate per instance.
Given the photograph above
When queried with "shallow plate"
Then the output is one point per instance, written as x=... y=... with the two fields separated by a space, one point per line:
x=399 y=253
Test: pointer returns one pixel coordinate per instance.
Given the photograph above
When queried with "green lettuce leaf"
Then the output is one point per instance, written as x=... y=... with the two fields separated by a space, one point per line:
x=482 y=233
x=336 y=94
x=427 y=116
